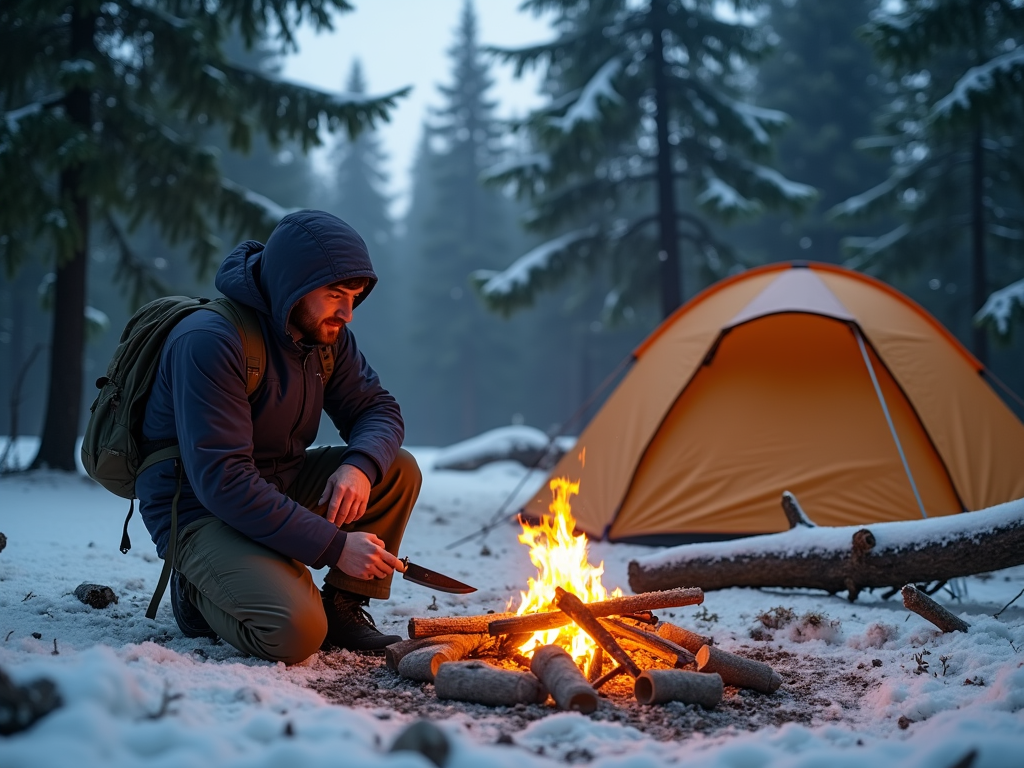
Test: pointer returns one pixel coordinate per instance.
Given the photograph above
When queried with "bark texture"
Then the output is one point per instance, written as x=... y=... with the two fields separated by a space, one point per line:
x=684 y=638
x=559 y=673
x=972 y=546
x=659 y=646
x=585 y=620
x=917 y=601
x=481 y=683
x=453 y=625
x=737 y=670
x=658 y=686
x=422 y=664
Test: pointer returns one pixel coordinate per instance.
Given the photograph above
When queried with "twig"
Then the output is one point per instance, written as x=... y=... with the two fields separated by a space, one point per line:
x=615 y=672
x=996 y=615
x=55 y=651
x=8 y=635
x=165 y=704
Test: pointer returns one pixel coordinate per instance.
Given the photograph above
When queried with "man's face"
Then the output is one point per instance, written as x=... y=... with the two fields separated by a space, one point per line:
x=319 y=316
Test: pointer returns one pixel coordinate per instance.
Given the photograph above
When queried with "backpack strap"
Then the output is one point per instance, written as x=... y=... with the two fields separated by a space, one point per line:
x=254 y=348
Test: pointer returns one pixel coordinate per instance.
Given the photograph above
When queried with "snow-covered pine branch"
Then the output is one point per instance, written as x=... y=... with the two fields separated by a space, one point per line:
x=528 y=164
x=999 y=307
x=981 y=81
x=723 y=199
x=269 y=209
x=524 y=271
x=586 y=108
x=865 y=249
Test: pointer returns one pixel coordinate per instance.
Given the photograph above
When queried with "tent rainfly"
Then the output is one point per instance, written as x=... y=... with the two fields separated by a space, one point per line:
x=802 y=377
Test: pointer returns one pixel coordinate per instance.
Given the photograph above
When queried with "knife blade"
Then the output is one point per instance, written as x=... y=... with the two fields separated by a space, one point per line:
x=425 y=577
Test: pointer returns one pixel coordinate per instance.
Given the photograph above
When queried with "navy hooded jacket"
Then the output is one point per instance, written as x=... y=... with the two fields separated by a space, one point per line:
x=241 y=454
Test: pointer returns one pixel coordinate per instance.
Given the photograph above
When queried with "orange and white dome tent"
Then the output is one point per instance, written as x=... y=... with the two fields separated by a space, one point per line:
x=801 y=377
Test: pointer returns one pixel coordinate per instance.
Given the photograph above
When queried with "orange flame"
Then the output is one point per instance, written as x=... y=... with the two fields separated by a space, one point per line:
x=561 y=560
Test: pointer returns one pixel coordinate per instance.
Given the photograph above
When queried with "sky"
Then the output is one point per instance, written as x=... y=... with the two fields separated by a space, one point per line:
x=405 y=42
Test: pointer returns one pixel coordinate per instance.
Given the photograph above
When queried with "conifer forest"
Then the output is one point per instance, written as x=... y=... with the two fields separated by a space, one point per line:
x=673 y=143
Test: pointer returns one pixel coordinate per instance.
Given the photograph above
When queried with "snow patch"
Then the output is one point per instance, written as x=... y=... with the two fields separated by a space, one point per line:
x=586 y=108
x=998 y=308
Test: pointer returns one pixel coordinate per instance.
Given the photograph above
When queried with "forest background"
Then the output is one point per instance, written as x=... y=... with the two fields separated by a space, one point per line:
x=534 y=254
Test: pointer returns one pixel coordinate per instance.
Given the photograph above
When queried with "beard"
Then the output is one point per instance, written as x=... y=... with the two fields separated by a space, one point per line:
x=313 y=329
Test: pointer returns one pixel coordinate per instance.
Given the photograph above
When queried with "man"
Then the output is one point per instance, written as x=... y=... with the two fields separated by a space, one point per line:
x=257 y=505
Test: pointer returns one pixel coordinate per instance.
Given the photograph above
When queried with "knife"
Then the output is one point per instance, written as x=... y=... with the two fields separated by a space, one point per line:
x=425 y=577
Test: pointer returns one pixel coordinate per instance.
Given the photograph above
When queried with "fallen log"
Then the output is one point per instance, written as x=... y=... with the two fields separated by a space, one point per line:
x=882 y=555
x=658 y=686
x=738 y=670
x=422 y=664
x=917 y=601
x=659 y=646
x=691 y=641
x=563 y=679
x=570 y=604
x=615 y=606
x=481 y=683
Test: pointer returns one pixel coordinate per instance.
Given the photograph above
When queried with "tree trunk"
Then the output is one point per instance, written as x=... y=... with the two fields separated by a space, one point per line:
x=887 y=555
x=64 y=400
x=670 y=266
x=979 y=273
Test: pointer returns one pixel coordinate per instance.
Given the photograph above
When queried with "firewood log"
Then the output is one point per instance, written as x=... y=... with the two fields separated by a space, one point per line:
x=737 y=670
x=422 y=663
x=559 y=673
x=453 y=625
x=395 y=652
x=657 y=686
x=883 y=555
x=917 y=601
x=482 y=683
x=615 y=606
x=691 y=641
x=664 y=649
x=570 y=604
x=596 y=665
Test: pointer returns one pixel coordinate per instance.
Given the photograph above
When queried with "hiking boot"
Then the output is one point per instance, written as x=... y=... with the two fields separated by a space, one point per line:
x=190 y=621
x=349 y=626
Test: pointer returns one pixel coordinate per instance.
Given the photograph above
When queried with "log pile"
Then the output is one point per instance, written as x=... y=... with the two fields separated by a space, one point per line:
x=439 y=649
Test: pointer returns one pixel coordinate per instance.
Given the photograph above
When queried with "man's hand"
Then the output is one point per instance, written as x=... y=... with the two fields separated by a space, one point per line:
x=345 y=495
x=364 y=557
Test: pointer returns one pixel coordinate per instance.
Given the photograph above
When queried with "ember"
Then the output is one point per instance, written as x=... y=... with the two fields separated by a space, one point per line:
x=562 y=561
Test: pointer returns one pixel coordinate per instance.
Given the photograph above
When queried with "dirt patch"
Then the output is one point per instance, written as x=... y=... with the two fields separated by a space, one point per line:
x=812 y=690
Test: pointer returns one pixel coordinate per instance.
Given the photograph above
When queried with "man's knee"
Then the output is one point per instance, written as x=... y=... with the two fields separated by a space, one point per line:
x=293 y=636
x=407 y=471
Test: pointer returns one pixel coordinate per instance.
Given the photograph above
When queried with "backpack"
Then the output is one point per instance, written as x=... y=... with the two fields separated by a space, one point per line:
x=112 y=450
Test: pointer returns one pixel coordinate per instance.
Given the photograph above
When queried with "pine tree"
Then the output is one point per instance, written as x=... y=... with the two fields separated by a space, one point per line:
x=953 y=135
x=104 y=108
x=824 y=77
x=645 y=99
x=455 y=224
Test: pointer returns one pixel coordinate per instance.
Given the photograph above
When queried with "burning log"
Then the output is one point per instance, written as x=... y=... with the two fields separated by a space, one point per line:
x=572 y=606
x=664 y=649
x=422 y=664
x=691 y=641
x=657 y=686
x=616 y=606
x=737 y=670
x=917 y=601
x=482 y=683
x=596 y=664
x=884 y=555
x=570 y=689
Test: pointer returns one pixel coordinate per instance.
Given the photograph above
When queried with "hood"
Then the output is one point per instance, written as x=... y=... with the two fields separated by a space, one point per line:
x=306 y=250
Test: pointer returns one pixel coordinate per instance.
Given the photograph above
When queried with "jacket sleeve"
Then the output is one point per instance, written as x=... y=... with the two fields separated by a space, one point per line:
x=367 y=415
x=214 y=425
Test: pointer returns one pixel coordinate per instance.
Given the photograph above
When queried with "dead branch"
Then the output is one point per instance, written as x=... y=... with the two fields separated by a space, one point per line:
x=664 y=649
x=585 y=620
x=994 y=615
x=563 y=678
x=794 y=512
x=917 y=601
x=613 y=673
x=616 y=606
x=658 y=686
x=482 y=683
x=884 y=555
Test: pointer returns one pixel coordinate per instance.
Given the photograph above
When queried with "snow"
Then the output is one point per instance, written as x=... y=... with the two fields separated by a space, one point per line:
x=271 y=209
x=791 y=190
x=518 y=274
x=536 y=161
x=15 y=116
x=724 y=198
x=137 y=693
x=998 y=308
x=517 y=443
x=755 y=118
x=978 y=80
x=585 y=108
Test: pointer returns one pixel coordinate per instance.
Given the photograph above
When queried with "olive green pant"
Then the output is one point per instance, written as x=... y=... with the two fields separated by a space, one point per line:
x=266 y=604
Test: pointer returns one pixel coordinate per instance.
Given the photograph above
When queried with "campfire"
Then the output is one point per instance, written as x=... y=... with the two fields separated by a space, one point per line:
x=571 y=636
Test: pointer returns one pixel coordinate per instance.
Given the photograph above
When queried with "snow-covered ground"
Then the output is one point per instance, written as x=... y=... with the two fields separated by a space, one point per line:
x=136 y=693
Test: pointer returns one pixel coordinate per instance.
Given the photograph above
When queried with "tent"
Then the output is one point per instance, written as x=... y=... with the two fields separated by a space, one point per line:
x=801 y=377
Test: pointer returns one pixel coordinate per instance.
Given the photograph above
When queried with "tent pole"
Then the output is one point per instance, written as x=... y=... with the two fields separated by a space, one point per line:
x=888 y=417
